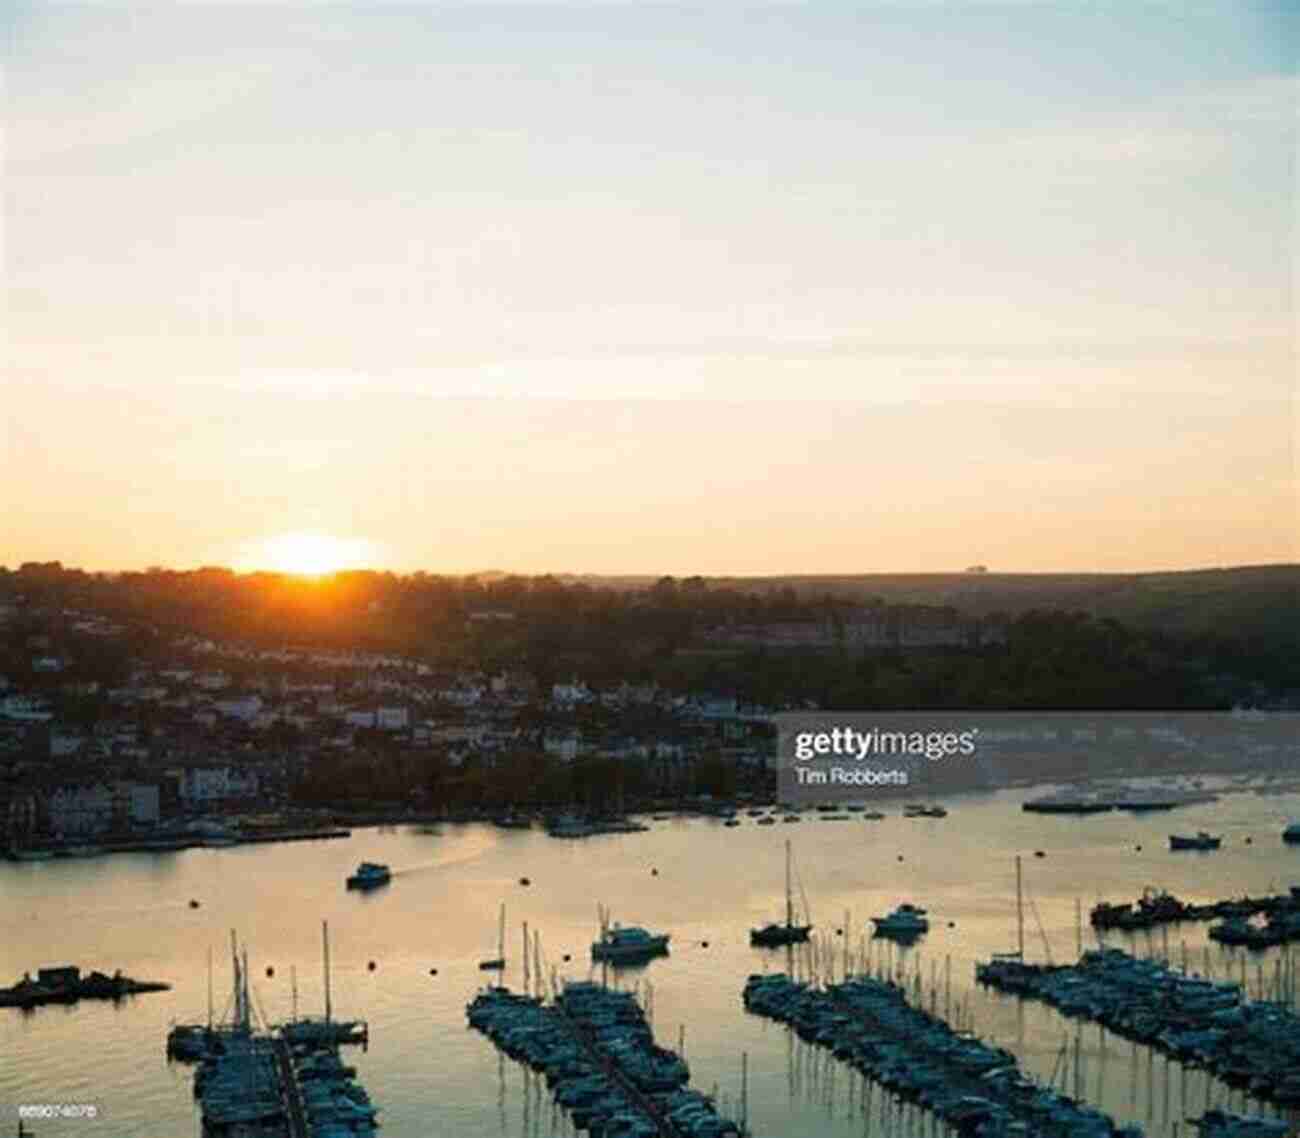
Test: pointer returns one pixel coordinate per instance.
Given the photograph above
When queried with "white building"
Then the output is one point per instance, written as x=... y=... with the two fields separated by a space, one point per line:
x=392 y=718
x=81 y=809
x=142 y=803
x=564 y=747
x=567 y=695
x=245 y=708
x=26 y=709
x=213 y=681
x=64 y=743
x=212 y=784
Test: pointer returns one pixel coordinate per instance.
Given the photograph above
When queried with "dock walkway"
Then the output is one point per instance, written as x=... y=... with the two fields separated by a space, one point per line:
x=295 y=1112
x=1246 y=1043
x=583 y=1037
x=962 y=1081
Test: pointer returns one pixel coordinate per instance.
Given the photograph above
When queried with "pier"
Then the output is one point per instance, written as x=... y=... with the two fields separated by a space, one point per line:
x=295 y=1110
x=965 y=1083
x=599 y=1057
x=285 y=1082
x=1253 y=1044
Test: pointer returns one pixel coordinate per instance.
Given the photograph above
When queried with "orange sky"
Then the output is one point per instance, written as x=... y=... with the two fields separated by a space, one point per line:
x=630 y=289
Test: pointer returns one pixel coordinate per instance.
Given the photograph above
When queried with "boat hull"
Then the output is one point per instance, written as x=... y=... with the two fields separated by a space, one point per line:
x=774 y=936
x=623 y=954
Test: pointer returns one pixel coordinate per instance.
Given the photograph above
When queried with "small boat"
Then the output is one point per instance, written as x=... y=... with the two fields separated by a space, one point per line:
x=569 y=826
x=28 y=854
x=1291 y=834
x=873 y=816
x=1066 y=804
x=920 y=810
x=370 y=874
x=766 y=820
x=904 y=922
x=792 y=818
x=621 y=944
x=773 y=935
x=733 y=821
x=1201 y=841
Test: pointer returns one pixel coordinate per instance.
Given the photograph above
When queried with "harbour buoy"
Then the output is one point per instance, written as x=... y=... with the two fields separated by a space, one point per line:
x=524 y=881
x=654 y=873
x=270 y=971
x=1247 y=841
x=1138 y=848
x=704 y=944
x=567 y=958
x=839 y=932
x=433 y=972
x=900 y=857
x=1039 y=853
x=371 y=966
x=194 y=904
x=952 y=924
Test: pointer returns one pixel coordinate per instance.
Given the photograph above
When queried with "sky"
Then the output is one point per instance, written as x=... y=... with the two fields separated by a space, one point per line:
x=631 y=287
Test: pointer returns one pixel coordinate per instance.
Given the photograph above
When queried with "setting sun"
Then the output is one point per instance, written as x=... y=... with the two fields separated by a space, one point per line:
x=309 y=554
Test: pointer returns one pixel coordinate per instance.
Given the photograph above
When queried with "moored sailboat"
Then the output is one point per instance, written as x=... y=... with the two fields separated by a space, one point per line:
x=773 y=934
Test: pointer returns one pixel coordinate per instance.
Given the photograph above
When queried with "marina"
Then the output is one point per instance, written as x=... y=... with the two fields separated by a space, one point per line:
x=1254 y=1044
x=971 y=1086
x=599 y=1057
x=710 y=886
x=273 y=1082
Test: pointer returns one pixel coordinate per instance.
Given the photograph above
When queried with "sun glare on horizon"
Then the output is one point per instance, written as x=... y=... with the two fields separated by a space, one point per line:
x=309 y=554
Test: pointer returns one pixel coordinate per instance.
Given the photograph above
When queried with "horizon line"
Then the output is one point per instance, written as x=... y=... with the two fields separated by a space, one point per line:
x=969 y=572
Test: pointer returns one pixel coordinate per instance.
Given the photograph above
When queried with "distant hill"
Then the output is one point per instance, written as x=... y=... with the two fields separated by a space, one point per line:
x=1259 y=601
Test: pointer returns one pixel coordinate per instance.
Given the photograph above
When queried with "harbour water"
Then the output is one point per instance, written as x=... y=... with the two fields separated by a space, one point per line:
x=704 y=883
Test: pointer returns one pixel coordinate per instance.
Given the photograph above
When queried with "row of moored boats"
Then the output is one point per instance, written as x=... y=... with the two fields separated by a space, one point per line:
x=965 y=1082
x=599 y=1058
x=1253 y=1044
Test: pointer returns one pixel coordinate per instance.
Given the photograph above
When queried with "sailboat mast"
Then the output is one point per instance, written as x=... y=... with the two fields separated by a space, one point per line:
x=1020 y=915
x=501 y=935
x=789 y=897
x=247 y=1023
x=234 y=965
x=744 y=1092
x=209 y=987
x=325 y=939
x=293 y=977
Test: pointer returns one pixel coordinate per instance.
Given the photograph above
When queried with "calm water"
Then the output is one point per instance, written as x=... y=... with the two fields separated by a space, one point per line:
x=431 y=1075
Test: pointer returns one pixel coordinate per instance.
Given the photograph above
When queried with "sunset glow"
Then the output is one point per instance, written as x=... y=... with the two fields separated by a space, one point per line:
x=309 y=554
x=641 y=288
